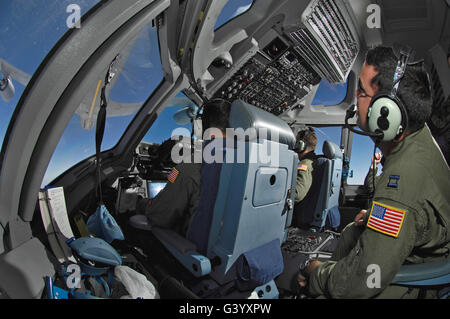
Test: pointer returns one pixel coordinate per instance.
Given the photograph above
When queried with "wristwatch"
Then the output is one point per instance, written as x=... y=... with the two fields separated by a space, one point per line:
x=304 y=266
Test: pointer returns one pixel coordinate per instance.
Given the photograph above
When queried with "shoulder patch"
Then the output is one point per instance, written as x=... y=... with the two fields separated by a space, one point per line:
x=173 y=175
x=302 y=168
x=386 y=219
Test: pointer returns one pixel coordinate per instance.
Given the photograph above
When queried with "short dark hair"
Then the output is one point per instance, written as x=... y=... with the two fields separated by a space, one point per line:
x=216 y=114
x=309 y=137
x=414 y=90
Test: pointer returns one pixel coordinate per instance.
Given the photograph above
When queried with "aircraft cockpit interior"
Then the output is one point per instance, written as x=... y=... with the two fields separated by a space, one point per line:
x=111 y=117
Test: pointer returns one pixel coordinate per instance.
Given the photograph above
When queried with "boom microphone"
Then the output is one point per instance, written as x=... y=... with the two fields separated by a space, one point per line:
x=351 y=111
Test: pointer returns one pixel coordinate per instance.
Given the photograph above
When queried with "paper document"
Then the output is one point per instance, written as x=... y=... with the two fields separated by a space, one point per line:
x=56 y=222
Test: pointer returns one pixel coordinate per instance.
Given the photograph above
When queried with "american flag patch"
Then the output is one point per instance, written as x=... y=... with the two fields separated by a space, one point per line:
x=302 y=168
x=386 y=219
x=173 y=175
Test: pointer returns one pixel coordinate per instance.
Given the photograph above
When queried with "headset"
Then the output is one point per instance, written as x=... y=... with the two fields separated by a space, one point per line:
x=300 y=145
x=386 y=117
x=199 y=115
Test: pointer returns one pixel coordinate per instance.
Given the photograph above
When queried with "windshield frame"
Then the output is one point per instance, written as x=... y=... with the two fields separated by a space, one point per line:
x=232 y=18
x=24 y=161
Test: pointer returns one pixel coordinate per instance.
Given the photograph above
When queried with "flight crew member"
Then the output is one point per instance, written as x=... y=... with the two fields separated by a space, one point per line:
x=412 y=192
x=174 y=206
x=306 y=145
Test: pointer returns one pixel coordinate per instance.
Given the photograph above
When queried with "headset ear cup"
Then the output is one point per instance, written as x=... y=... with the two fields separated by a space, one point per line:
x=385 y=115
x=300 y=146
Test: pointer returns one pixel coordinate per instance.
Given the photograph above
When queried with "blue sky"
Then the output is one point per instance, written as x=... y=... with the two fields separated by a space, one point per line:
x=30 y=28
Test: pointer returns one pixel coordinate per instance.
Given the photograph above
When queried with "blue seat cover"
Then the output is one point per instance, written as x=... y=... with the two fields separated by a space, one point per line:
x=260 y=265
x=199 y=228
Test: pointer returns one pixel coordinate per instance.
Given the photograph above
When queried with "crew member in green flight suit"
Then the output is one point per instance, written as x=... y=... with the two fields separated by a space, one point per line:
x=409 y=216
x=306 y=145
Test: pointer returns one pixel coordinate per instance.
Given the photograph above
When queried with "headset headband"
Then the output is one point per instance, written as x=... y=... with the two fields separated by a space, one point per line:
x=202 y=107
x=400 y=69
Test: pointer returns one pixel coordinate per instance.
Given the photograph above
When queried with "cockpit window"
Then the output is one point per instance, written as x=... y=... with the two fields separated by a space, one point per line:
x=28 y=31
x=137 y=75
x=232 y=9
x=362 y=152
x=172 y=121
x=327 y=133
x=330 y=94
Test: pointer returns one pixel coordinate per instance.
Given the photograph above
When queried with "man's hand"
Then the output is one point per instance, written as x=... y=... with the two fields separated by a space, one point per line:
x=359 y=219
x=302 y=281
x=377 y=158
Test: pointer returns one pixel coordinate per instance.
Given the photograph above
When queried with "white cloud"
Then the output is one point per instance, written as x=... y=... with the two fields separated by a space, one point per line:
x=241 y=9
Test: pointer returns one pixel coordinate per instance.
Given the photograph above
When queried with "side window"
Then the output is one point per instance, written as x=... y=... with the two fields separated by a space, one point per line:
x=232 y=9
x=330 y=94
x=138 y=75
x=362 y=152
x=327 y=133
x=28 y=31
x=166 y=124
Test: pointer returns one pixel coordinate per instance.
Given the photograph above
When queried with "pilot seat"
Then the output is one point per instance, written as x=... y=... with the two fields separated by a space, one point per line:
x=233 y=244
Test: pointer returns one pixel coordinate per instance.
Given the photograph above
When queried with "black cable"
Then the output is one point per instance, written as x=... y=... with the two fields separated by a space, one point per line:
x=372 y=193
x=100 y=127
x=192 y=140
x=351 y=111
x=377 y=136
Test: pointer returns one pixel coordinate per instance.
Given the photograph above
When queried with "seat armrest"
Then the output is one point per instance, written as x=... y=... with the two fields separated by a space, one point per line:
x=174 y=239
x=164 y=235
x=184 y=251
x=436 y=273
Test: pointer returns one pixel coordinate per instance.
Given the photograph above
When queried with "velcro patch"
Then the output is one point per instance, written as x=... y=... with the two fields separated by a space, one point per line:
x=393 y=181
x=302 y=168
x=386 y=219
x=173 y=175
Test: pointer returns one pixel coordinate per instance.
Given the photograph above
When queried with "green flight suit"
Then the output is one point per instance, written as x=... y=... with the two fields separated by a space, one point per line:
x=174 y=206
x=368 y=181
x=415 y=179
x=304 y=176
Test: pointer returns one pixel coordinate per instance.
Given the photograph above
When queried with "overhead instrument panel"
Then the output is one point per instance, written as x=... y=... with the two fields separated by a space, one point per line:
x=329 y=41
x=274 y=79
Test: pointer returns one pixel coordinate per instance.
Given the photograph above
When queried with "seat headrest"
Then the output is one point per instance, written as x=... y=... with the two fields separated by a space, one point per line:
x=331 y=150
x=245 y=116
